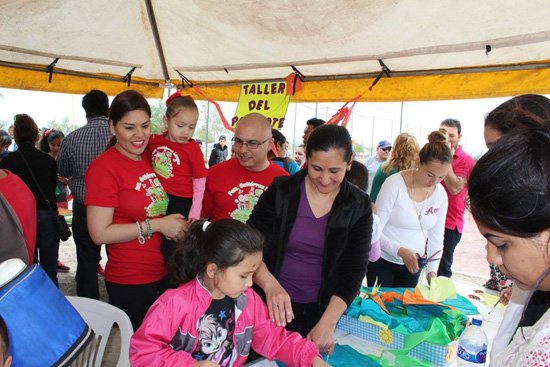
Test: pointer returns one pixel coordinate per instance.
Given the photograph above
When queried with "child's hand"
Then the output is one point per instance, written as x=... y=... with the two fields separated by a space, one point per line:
x=205 y=364
x=191 y=220
x=318 y=362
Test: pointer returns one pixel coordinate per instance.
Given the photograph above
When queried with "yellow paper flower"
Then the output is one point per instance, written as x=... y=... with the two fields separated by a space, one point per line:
x=385 y=336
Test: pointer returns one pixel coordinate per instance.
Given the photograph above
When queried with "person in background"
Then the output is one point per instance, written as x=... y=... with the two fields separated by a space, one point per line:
x=234 y=186
x=281 y=146
x=300 y=155
x=516 y=169
x=412 y=207
x=50 y=143
x=219 y=152
x=126 y=206
x=213 y=318
x=5 y=142
x=455 y=186
x=178 y=162
x=317 y=227
x=39 y=172
x=77 y=151
x=13 y=146
x=311 y=124
x=358 y=175
x=383 y=150
x=5 y=358
x=288 y=154
x=403 y=156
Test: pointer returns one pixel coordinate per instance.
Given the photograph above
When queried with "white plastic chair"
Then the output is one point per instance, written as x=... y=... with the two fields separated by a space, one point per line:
x=101 y=316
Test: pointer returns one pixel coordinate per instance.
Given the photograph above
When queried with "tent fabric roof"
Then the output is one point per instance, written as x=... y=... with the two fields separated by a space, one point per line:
x=429 y=46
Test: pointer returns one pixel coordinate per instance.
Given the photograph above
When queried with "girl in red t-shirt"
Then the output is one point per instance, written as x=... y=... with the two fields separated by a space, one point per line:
x=178 y=162
x=126 y=206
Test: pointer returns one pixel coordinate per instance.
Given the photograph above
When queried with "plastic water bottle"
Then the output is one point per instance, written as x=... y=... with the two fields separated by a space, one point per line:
x=472 y=346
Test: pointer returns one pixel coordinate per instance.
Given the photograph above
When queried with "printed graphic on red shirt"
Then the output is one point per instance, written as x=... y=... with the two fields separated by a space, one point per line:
x=246 y=196
x=163 y=160
x=150 y=183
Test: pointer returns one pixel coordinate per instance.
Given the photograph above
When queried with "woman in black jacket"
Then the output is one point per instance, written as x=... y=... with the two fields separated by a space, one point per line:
x=317 y=228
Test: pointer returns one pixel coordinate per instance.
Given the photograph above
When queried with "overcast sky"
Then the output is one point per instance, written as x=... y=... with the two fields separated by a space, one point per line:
x=419 y=118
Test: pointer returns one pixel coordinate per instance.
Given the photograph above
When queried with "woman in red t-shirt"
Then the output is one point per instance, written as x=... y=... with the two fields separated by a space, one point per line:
x=126 y=206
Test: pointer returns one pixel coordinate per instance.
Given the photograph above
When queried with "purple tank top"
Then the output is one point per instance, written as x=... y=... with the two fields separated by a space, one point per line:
x=302 y=267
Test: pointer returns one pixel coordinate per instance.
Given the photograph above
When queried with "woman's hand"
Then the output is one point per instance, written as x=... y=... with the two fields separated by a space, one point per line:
x=505 y=295
x=318 y=362
x=410 y=259
x=322 y=335
x=173 y=226
x=279 y=305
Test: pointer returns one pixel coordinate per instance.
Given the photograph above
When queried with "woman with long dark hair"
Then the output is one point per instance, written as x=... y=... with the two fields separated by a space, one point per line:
x=509 y=190
x=317 y=227
x=126 y=206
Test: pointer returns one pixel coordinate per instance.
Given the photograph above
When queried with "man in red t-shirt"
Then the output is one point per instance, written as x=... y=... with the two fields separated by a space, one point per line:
x=233 y=187
x=455 y=186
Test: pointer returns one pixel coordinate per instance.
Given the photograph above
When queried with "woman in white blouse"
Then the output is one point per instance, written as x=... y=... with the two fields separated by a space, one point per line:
x=412 y=207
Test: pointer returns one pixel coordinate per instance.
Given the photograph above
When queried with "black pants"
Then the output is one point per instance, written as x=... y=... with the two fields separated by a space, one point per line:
x=450 y=241
x=47 y=243
x=176 y=205
x=135 y=299
x=87 y=255
x=391 y=275
x=306 y=316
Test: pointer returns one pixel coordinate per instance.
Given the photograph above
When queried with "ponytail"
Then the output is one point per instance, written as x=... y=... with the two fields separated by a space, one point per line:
x=224 y=243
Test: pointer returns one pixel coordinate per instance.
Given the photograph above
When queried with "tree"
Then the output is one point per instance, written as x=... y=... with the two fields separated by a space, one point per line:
x=358 y=148
x=64 y=126
x=158 y=111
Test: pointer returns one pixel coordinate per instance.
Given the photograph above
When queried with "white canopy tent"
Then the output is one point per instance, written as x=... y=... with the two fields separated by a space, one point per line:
x=430 y=49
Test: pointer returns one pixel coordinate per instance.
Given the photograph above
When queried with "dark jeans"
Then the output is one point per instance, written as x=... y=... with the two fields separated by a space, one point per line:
x=87 y=255
x=47 y=242
x=135 y=299
x=176 y=205
x=306 y=316
x=391 y=275
x=450 y=241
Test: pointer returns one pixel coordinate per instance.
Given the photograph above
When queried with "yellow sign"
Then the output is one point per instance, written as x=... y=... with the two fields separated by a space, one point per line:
x=268 y=99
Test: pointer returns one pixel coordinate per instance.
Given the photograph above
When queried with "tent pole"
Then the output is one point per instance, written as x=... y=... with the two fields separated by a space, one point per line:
x=158 y=43
x=295 y=123
x=401 y=120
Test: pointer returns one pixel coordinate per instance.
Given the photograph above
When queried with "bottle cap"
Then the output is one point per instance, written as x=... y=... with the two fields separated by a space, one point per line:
x=476 y=321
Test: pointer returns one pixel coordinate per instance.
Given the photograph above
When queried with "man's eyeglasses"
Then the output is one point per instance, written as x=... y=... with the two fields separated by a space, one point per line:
x=387 y=150
x=252 y=144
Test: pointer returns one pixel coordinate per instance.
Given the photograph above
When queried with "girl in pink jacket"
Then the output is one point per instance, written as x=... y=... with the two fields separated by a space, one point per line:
x=213 y=318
